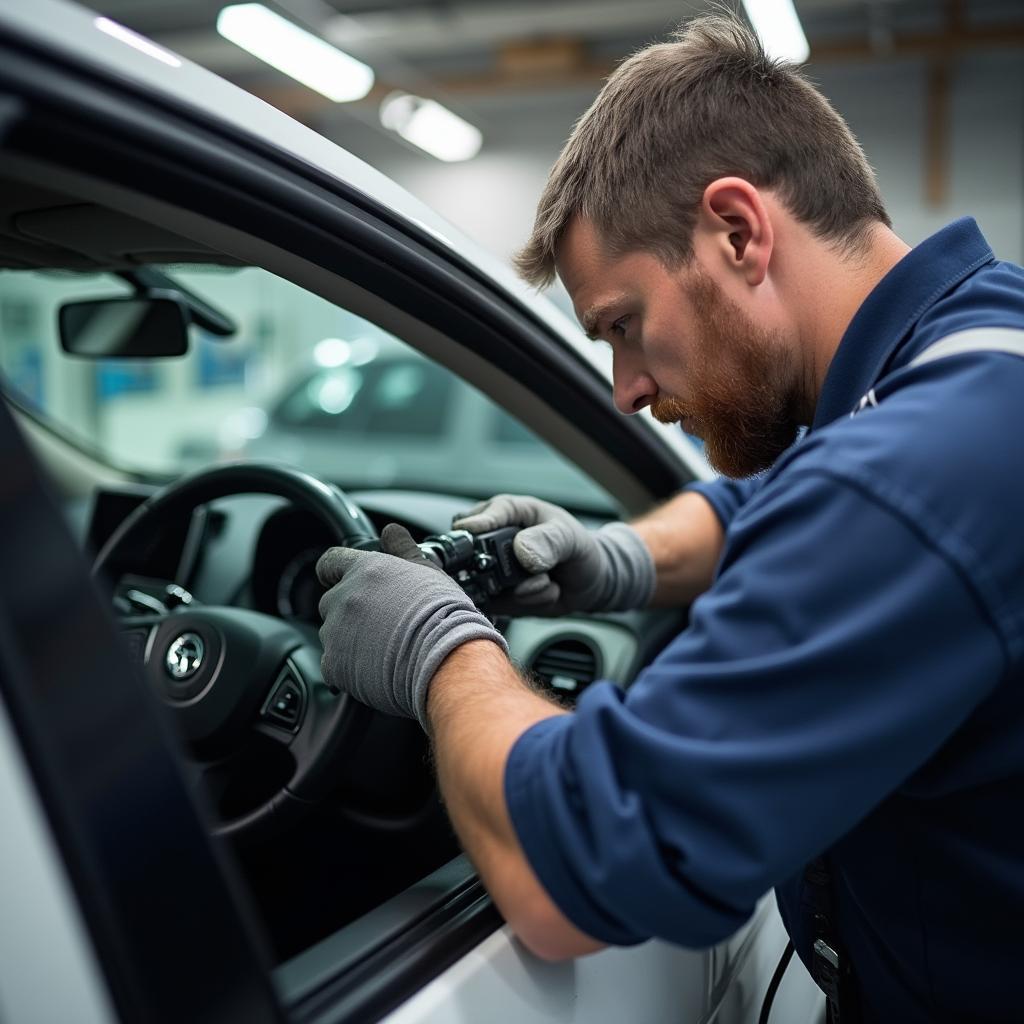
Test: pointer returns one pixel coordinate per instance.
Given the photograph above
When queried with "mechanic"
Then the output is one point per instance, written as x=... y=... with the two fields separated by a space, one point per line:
x=850 y=681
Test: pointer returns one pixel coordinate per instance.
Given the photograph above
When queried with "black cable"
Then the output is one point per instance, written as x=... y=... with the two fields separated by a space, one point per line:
x=773 y=985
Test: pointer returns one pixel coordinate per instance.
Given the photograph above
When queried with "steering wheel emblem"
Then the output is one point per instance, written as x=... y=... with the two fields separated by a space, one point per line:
x=185 y=656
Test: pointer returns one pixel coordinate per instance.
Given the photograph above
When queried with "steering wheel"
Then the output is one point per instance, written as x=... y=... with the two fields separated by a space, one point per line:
x=223 y=672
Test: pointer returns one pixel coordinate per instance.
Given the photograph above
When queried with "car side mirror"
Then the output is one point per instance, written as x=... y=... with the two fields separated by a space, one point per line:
x=132 y=327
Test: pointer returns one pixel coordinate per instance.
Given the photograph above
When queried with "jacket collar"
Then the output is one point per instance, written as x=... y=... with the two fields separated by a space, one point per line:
x=877 y=337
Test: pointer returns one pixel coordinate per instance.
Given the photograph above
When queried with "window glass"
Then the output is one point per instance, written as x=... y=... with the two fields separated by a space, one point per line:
x=507 y=429
x=298 y=380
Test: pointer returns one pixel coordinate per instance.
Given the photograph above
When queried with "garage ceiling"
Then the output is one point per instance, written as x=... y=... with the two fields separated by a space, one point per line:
x=503 y=62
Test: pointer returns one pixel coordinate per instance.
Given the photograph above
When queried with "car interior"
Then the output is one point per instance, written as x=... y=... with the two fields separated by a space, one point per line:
x=329 y=811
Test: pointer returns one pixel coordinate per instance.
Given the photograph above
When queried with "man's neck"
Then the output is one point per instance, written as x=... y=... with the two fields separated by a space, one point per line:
x=835 y=291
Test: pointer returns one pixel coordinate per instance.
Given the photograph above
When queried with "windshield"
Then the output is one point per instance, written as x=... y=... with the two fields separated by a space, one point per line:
x=298 y=380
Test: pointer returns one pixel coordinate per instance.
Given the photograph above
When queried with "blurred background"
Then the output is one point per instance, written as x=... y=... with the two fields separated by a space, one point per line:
x=934 y=89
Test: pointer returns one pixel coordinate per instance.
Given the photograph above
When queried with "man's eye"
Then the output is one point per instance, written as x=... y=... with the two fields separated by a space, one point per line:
x=619 y=327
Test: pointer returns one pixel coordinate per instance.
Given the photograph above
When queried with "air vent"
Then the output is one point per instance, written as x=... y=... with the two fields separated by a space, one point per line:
x=566 y=666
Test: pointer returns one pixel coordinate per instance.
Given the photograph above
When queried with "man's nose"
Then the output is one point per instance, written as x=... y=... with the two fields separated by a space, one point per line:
x=634 y=389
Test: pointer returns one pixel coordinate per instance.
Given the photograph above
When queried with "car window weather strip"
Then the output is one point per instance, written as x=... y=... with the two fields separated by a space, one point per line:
x=116 y=139
x=398 y=967
x=173 y=938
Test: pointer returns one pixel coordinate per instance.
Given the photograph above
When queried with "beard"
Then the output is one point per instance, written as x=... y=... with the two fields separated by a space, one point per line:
x=744 y=400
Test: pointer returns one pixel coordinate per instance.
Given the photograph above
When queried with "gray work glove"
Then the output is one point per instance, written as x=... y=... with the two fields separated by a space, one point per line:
x=573 y=569
x=390 y=621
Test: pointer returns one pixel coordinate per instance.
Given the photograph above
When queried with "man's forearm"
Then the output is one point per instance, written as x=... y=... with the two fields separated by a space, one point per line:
x=478 y=707
x=685 y=538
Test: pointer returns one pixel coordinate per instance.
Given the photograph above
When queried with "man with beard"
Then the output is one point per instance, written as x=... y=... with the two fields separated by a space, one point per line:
x=848 y=693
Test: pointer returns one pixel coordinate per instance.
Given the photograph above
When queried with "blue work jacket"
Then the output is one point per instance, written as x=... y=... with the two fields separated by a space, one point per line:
x=851 y=683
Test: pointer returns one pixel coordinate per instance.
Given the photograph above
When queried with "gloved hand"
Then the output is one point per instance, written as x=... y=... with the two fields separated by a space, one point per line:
x=390 y=621
x=574 y=569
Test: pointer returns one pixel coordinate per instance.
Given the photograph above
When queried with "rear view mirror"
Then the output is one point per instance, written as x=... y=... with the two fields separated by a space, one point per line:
x=142 y=327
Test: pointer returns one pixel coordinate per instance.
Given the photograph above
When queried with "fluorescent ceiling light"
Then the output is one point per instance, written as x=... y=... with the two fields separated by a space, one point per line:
x=305 y=57
x=778 y=26
x=140 y=43
x=435 y=129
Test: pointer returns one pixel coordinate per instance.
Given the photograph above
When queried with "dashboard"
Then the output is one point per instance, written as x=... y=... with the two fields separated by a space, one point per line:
x=260 y=552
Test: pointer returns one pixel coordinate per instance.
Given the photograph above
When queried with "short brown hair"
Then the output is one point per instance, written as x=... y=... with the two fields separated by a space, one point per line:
x=676 y=116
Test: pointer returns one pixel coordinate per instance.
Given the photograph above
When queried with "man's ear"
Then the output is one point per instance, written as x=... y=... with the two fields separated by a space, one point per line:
x=735 y=224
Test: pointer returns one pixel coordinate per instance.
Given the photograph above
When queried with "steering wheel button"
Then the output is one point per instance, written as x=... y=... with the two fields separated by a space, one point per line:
x=285 y=704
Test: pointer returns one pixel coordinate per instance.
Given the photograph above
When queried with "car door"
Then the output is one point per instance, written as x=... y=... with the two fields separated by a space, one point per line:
x=115 y=903
x=439 y=948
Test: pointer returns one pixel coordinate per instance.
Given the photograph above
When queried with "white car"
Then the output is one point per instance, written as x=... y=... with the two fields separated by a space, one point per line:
x=195 y=828
x=387 y=417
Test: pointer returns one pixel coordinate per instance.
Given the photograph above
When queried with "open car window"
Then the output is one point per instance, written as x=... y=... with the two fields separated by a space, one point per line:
x=298 y=380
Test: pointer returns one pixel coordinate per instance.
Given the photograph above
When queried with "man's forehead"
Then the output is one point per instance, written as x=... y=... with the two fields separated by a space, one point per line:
x=579 y=252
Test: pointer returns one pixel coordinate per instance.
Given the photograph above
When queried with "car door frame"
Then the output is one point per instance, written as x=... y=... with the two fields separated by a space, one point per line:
x=122 y=135
x=118 y=133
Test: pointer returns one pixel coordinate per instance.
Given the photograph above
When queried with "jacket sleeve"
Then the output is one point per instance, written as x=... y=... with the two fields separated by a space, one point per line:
x=825 y=665
x=726 y=496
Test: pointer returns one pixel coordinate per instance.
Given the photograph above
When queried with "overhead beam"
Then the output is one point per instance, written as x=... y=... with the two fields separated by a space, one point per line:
x=949 y=42
x=557 y=56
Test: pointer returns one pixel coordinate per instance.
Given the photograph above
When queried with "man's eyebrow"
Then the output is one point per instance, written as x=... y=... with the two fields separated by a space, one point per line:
x=591 y=318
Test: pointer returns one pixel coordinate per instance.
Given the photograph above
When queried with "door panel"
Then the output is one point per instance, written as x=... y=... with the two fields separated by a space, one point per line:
x=502 y=983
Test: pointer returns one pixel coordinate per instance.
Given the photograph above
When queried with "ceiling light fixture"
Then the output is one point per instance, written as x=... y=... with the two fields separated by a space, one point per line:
x=435 y=129
x=777 y=24
x=303 y=56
